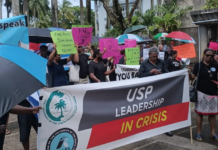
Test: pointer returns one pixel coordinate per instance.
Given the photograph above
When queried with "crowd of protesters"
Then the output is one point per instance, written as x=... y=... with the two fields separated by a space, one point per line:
x=94 y=69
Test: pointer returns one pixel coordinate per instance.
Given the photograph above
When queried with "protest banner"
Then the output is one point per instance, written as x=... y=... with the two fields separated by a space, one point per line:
x=108 y=115
x=146 y=56
x=126 y=72
x=213 y=46
x=185 y=51
x=64 y=42
x=111 y=46
x=132 y=56
x=82 y=34
x=14 y=31
x=130 y=43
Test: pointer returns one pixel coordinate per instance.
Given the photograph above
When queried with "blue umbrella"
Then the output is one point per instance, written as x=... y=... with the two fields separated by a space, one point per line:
x=121 y=38
x=22 y=73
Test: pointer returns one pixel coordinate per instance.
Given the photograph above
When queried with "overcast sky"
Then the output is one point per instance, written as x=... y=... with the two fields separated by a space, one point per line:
x=74 y=3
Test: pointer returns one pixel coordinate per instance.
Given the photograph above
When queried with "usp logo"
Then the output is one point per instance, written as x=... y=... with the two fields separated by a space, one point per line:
x=62 y=139
x=60 y=107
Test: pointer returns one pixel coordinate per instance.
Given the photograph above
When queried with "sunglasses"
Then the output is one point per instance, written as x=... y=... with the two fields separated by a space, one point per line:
x=209 y=55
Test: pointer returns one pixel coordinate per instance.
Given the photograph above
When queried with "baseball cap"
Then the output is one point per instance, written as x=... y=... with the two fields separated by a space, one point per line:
x=43 y=44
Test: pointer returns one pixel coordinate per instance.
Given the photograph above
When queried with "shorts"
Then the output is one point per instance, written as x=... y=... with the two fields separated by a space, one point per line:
x=26 y=121
x=83 y=81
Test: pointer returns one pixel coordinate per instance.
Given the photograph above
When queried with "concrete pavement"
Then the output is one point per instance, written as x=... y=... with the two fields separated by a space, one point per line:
x=180 y=140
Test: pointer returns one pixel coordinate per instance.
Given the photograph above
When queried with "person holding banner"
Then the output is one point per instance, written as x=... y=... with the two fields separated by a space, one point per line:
x=153 y=65
x=56 y=67
x=97 y=70
x=16 y=110
x=207 y=103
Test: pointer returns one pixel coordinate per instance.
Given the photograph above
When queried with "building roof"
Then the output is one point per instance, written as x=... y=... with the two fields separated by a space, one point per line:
x=205 y=17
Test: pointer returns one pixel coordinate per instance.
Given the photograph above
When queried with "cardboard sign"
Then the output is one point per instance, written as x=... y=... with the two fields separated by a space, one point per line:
x=130 y=43
x=122 y=47
x=111 y=46
x=82 y=35
x=213 y=46
x=186 y=50
x=132 y=55
x=64 y=42
x=117 y=59
x=126 y=72
x=101 y=44
x=146 y=56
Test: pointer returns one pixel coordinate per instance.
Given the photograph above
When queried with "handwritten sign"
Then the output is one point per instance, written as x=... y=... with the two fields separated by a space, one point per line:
x=130 y=43
x=111 y=46
x=117 y=59
x=132 y=56
x=213 y=46
x=82 y=35
x=64 y=42
x=185 y=51
x=121 y=47
x=101 y=44
x=146 y=54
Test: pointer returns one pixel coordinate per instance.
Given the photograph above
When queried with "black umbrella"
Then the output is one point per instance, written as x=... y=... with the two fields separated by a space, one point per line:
x=95 y=39
x=38 y=35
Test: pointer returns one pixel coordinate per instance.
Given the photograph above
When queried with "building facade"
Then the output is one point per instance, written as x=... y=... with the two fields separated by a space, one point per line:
x=101 y=14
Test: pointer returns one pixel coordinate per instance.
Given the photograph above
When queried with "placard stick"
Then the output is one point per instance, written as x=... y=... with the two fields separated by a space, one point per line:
x=191 y=135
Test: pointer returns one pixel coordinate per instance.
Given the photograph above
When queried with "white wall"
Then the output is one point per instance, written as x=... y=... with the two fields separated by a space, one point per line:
x=101 y=19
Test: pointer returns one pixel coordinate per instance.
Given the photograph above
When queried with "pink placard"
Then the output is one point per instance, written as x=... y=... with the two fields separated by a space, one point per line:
x=101 y=44
x=82 y=36
x=111 y=46
x=130 y=43
x=213 y=46
x=121 y=47
x=117 y=59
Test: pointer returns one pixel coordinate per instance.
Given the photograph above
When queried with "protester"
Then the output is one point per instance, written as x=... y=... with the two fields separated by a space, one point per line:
x=56 y=67
x=206 y=105
x=153 y=65
x=44 y=50
x=160 y=46
x=122 y=60
x=173 y=64
x=97 y=70
x=16 y=110
x=83 y=63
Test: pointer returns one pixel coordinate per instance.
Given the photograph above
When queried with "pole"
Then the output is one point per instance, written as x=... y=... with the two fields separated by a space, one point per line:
x=191 y=135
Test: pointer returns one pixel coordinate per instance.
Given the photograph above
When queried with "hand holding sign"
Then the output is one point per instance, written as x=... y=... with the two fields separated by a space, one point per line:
x=63 y=42
x=112 y=48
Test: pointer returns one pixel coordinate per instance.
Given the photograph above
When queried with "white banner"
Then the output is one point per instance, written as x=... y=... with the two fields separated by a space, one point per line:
x=103 y=116
x=146 y=56
x=126 y=72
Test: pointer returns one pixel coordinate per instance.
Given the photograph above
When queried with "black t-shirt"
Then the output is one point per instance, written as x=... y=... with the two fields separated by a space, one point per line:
x=173 y=65
x=57 y=71
x=112 y=76
x=205 y=84
x=83 y=63
x=98 y=69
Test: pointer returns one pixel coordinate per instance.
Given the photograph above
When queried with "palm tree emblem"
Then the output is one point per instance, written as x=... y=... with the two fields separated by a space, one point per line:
x=61 y=105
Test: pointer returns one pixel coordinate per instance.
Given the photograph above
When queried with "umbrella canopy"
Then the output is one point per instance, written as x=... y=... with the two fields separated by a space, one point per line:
x=179 y=35
x=22 y=73
x=160 y=36
x=188 y=41
x=38 y=35
x=146 y=39
x=134 y=28
x=121 y=38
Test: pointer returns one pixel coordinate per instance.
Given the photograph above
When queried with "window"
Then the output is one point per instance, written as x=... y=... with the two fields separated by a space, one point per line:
x=123 y=8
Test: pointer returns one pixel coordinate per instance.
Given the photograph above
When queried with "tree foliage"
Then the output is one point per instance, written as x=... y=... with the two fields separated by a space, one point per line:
x=211 y=4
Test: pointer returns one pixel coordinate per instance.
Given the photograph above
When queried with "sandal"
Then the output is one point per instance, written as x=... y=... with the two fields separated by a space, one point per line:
x=198 y=137
x=7 y=132
x=215 y=138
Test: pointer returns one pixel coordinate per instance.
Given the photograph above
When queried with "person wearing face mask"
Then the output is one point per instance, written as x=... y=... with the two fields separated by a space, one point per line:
x=207 y=102
x=97 y=70
x=56 y=67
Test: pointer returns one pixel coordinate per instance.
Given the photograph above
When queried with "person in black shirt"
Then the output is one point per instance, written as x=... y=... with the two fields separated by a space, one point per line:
x=83 y=63
x=206 y=105
x=173 y=64
x=16 y=110
x=97 y=70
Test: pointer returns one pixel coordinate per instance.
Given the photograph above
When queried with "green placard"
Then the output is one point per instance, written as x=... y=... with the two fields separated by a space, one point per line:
x=64 y=42
x=132 y=56
x=81 y=26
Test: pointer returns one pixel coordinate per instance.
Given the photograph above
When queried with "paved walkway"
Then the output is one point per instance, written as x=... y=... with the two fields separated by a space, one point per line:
x=180 y=140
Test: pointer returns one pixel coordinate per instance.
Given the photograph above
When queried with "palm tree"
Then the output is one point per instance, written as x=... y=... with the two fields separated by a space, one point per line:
x=0 y=9
x=81 y=13
x=26 y=9
x=88 y=11
x=43 y=21
x=8 y=5
x=65 y=13
x=16 y=7
x=54 y=6
x=127 y=8
x=61 y=105
x=37 y=7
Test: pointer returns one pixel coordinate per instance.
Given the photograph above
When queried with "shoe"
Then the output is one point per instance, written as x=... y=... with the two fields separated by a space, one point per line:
x=215 y=138
x=198 y=137
x=170 y=134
